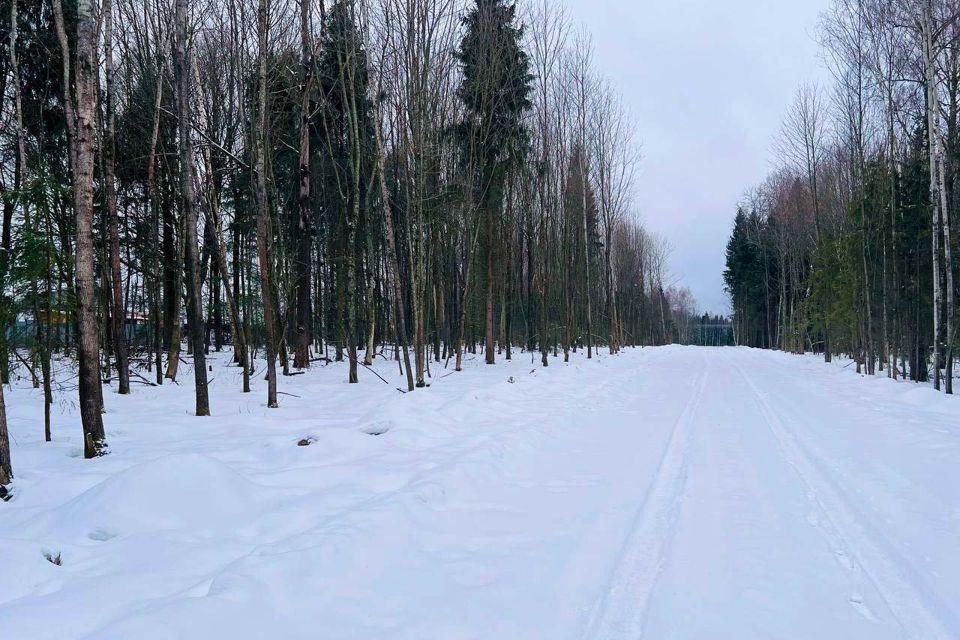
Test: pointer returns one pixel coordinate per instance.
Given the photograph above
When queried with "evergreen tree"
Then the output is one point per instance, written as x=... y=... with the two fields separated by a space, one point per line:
x=347 y=141
x=495 y=91
x=745 y=280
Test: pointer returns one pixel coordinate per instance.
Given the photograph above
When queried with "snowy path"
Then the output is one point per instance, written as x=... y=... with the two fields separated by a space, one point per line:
x=663 y=493
x=773 y=539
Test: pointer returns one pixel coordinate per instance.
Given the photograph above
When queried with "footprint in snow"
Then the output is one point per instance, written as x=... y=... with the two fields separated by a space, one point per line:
x=431 y=493
x=856 y=600
x=101 y=535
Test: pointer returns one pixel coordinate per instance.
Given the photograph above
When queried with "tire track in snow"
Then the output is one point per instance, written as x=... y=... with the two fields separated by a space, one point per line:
x=861 y=546
x=621 y=610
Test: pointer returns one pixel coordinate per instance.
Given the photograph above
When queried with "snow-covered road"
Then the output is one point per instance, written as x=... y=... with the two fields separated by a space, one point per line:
x=790 y=503
x=663 y=493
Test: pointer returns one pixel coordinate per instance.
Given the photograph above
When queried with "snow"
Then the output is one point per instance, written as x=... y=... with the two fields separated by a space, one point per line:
x=675 y=492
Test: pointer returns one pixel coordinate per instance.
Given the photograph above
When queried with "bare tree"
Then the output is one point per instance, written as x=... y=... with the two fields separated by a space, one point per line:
x=936 y=198
x=184 y=77
x=263 y=210
x=118 y=315
x=615 y=160
x=802 y=144
x=304 y=239
x=581 y=87
x=81 y=106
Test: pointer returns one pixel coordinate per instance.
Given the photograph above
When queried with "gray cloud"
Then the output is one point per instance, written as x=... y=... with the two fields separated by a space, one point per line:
x=707 y=83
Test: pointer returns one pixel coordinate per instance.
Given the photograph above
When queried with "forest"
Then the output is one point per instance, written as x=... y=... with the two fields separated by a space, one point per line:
x=305 y=182
x=847 y=248
x=361 y=319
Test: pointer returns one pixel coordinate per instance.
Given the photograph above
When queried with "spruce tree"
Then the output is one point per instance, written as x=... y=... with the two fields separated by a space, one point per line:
x=348 y=162
x=495 y=91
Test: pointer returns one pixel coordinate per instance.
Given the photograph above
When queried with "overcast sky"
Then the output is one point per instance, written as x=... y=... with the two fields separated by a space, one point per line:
x=708 y=83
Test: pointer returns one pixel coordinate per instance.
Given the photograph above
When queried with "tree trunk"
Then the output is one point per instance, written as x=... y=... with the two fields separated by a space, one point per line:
x=6 y=467
x=119 y=312
x=260 y=184
x=948 y=267
x=194 y=294
x=490 y=321
x=154 y=253
x=81 y=122
x=586 y=253
x=932 y=105
x=175 y=291
x=611 y=301
x=301 y=355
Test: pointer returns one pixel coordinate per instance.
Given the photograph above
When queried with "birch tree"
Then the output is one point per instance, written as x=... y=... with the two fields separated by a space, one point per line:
x=80 y=102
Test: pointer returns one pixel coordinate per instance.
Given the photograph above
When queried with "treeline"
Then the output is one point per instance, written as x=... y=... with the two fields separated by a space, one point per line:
x=706 y=330
x=847 y=247
x=306 y=180
x=685 y=324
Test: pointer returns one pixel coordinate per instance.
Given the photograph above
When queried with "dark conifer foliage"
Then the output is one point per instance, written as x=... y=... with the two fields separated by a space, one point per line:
x=747 y=279
x=495 y=90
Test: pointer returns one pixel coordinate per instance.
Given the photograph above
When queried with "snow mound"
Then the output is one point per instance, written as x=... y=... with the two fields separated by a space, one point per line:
x=24 y=568
x=173 y=492
x=919 y=396
x=928 y=399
